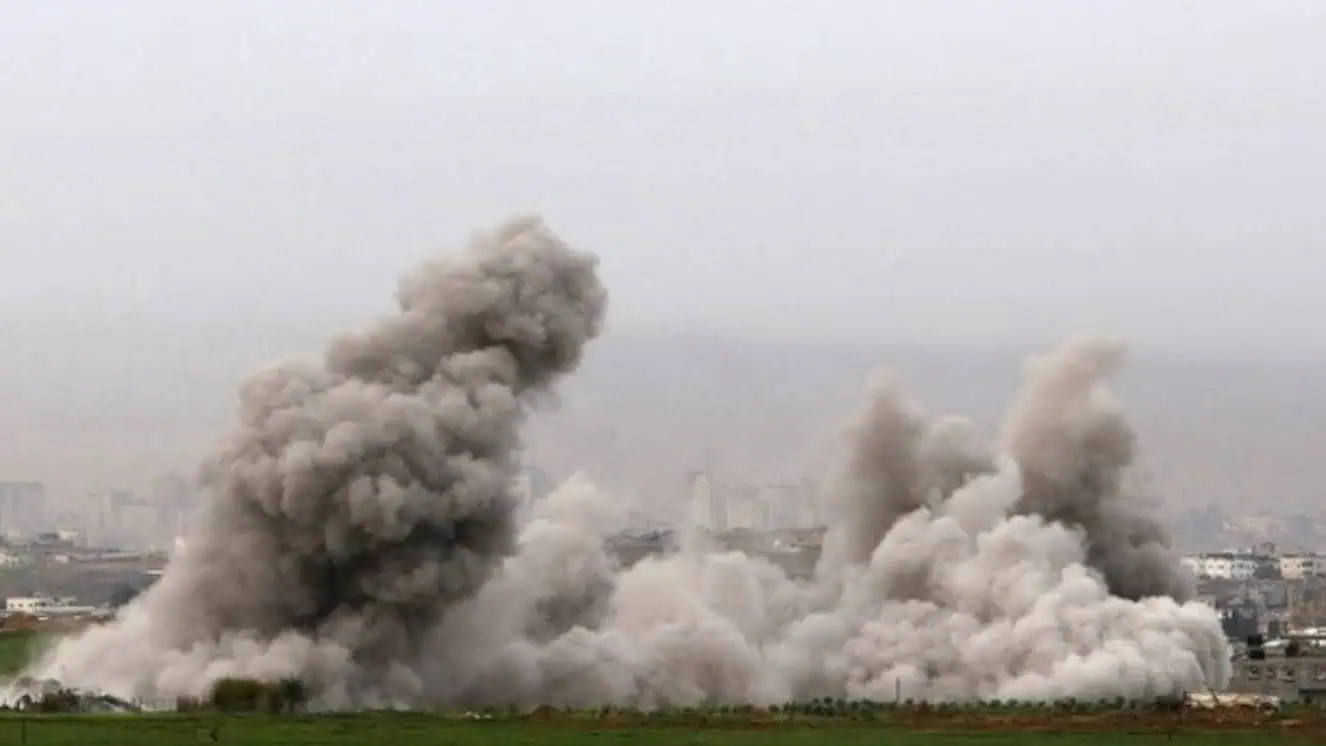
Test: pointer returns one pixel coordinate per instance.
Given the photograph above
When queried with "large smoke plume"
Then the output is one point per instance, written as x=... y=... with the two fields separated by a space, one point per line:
x=360 y=534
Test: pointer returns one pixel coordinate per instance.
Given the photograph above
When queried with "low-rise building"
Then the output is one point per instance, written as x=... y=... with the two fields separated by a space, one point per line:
x=42 y=605
x=1299 y=566
x=10 y=559
x=1294 y=670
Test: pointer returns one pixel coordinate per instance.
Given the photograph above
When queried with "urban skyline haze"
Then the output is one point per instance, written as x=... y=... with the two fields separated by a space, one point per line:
x=783 y=195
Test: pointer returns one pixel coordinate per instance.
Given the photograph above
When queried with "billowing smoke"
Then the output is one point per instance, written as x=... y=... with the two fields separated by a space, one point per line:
x=361 y=498
x=361 y=535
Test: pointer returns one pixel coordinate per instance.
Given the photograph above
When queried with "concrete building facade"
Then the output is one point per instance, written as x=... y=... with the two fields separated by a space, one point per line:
x=1299 y=566
x=1228 y=565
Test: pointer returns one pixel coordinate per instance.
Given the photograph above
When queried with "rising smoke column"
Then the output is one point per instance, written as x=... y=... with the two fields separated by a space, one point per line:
x=1075 y=445
x=361 y=498
x=940 y=580
x=1021 y=570
x=360 y=535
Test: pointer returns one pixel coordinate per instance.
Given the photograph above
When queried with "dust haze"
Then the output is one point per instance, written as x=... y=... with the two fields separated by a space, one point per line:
x=191 y=192
x=360 y=534
x=894 y=183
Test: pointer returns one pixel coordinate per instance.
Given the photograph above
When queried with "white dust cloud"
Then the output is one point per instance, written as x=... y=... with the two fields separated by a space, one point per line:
x=360 y=534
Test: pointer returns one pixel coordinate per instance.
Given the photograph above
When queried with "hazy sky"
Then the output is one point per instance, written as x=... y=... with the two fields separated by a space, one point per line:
x=875 y=168
x=869 y=170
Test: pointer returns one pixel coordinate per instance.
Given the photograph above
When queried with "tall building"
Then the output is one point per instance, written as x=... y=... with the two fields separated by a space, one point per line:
x=118 y=519
x=789 y=505
x=138 y=529
x=748 y=508
x=708 y=510
x=175 y=498
x=23 y=507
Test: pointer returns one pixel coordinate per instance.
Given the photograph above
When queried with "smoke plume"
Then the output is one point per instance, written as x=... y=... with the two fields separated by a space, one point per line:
x=361 y=534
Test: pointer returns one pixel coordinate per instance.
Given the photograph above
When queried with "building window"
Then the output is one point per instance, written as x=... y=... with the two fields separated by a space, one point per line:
x=1288 y=674
x=1270 y=672
x=1254 y=672
x=1321 y=673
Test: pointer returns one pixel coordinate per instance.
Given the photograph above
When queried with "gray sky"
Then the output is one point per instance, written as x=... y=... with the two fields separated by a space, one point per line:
x=238 y=175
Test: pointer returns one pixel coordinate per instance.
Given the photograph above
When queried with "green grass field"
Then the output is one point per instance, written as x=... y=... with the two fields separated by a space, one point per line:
x=409 y=730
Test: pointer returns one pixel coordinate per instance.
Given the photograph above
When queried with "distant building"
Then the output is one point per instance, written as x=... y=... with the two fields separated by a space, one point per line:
x=1240 y=619
x=1192 y=563
x=1299 y=566
x=41 y=605
x=746 y=510
x=23 y=506
x=790 y=505
x=10 y=560
x=773 y=506
x=1230 y=565
x=175 y=499
x=1293 y=669
x=708 y=510
x=124 y=520
x=71 y=537
x=1261 y=525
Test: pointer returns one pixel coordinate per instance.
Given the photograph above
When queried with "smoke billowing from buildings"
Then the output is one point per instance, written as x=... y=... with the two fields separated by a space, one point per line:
x=360 y=534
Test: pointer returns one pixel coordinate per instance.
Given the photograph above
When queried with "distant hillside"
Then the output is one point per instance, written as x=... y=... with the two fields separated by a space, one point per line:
x=645 y=408
x=1243 y=435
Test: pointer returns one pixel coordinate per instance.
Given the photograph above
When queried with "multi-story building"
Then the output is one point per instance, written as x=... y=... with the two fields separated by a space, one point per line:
x=1299 y=566
x=708 y=511
x=23 y=507
x=1230 y=565
x=1294 y=669
x=790 y=505
x=175 y=498
x=10 y=559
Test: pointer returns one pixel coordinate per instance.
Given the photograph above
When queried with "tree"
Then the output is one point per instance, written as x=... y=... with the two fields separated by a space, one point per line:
x=294 y=695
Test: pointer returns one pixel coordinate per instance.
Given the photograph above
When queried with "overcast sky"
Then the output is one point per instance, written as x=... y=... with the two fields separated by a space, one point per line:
x=859 y=170
x=888 y=169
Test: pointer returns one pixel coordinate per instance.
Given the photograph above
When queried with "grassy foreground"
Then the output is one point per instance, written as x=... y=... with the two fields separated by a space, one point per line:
x=400 y=729
x=1009 y=724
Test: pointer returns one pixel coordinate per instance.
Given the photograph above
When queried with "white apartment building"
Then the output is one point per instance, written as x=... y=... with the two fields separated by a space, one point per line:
x=36 y=604
x=1192 y=563
x=1223 y=565
x=1299 y=566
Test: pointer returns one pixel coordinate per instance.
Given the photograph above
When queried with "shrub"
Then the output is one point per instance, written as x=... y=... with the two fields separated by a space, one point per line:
x=234 y=694
x=294 y=695
x=62 y=700
x=238 y=695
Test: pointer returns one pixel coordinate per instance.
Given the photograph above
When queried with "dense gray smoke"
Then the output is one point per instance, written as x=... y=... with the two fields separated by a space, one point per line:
x=360 y=535
x=361 y=498
x=1074 y=445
